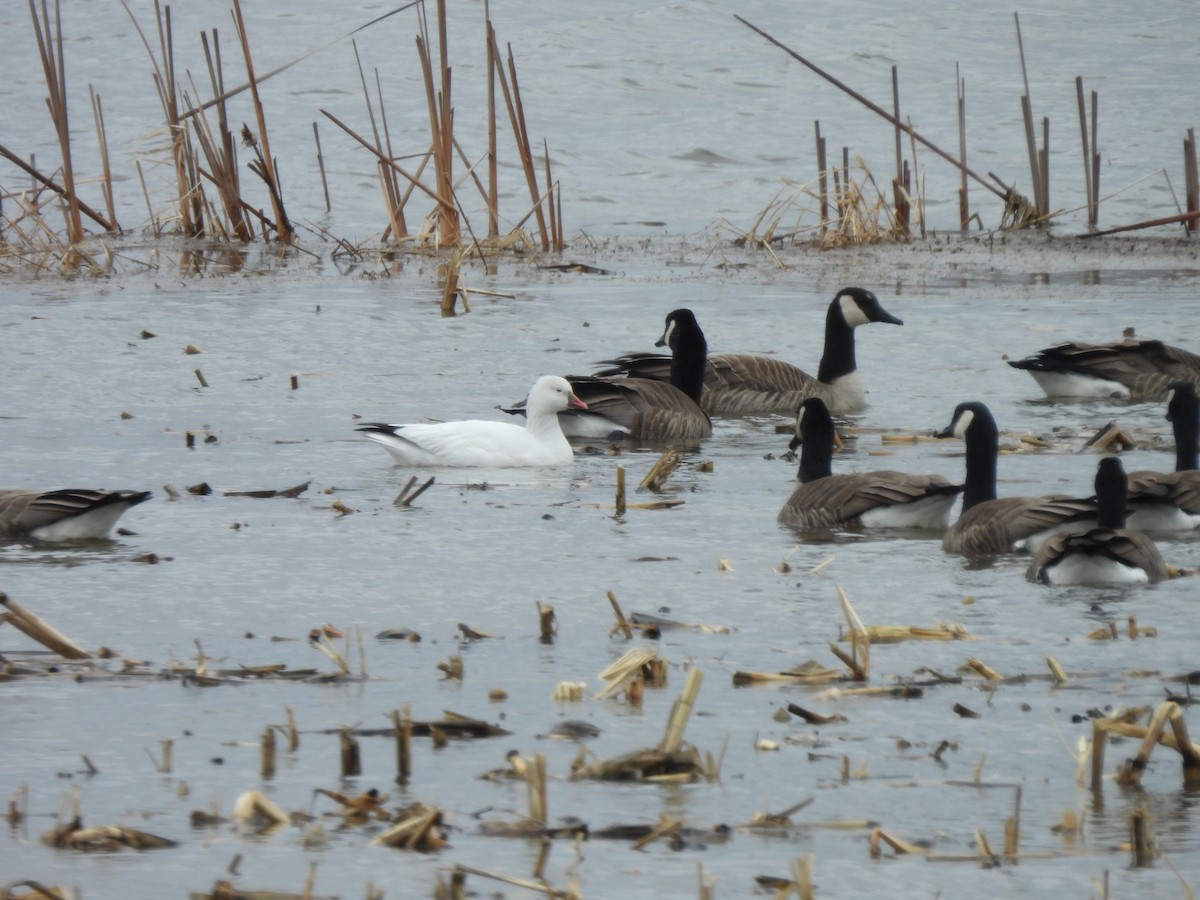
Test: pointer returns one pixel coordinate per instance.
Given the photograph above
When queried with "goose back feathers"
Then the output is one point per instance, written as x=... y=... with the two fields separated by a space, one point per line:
x=870 y=499
x=1106 y=554
x=63 y=515
x=481 y=443
x=658 y=412
x=991 y=526
x=744 y=385
x=1127 y=370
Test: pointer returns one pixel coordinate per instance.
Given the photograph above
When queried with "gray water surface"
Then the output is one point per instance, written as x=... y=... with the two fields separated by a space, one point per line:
x=237 y=572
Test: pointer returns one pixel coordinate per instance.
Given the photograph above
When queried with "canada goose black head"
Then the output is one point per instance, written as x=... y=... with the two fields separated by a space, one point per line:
x=974 y=424
x=851 y=307
x=1183 y=411
x=689 y=351
x=815 y=436
x=1111 y=493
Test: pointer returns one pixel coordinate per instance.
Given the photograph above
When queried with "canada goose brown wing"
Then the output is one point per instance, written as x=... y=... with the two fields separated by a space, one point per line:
x=651 y=410
x=845 y=499
x=1146 y=367
x=1181 y=489
x=994 y=527
x=1131 y=549
x=25 y=512
x=744 y=385
x=655 y=366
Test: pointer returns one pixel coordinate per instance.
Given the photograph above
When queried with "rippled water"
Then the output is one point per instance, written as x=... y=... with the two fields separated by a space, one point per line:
x=238 y=572
x=645 y=127
x=659 y=117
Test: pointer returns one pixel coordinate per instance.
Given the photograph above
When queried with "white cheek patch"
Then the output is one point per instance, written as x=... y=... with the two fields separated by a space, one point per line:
x=666 y=338
x=962 y=423
x=852 y=312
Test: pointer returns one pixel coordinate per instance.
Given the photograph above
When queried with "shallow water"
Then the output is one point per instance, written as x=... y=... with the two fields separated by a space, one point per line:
x=237 y=572
x=650 y=134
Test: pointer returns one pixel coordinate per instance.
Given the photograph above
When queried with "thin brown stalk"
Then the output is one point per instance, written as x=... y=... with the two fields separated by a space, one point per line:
x=493 y=202
x=283 y=228
x=102 y=140
x=516 y=118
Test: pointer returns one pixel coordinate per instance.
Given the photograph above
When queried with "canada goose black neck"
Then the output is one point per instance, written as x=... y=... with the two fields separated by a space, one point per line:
x=850 y=308
x=974 y=423
x=1111 y=493
x=814 y=430
x=1183 y=409
x=689 y=352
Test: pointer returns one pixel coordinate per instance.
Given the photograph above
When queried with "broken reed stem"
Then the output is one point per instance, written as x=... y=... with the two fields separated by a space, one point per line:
x=42 y=632
x=321 y=167
x=293 y=733
x=106 y=170
x=1141 y=837
x=621 y=621
x=535 y=778
x=267 y=753
x=860 y=642
x=350 y=759
x=662 y=469
x=402 y=724
x=620 y=500
x=1099 y=740
x=547 y=623
x=1012 y=830
x=802 y=867
x=681 y=712
x=516 y=119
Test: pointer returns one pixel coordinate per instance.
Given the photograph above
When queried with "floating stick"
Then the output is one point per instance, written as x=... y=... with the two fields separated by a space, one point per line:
x=46 y=635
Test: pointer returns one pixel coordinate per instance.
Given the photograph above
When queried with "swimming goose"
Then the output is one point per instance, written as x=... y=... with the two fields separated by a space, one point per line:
x=1107 y=554
x=659 y=412
x=872 y=499
x=989 y=526
x=63 y=515
x=742 y=385
x=1170 y=501
x=476 y=442
x=1125 y=370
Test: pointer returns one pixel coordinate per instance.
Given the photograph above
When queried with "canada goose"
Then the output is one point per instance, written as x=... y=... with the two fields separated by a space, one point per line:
x=63 y=515
x=476 y=442
x=645 y=410
x=871 y=499
x=988 y=526
x=1107 y=554
x=741 y=385
x=1130 y=369
x=1170 y=501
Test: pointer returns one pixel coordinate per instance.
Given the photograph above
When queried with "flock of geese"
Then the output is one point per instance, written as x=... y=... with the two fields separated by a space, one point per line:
x=669 y=399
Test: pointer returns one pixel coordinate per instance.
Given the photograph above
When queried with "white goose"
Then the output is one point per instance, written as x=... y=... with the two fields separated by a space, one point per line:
x=69 y=514
x=481 y=443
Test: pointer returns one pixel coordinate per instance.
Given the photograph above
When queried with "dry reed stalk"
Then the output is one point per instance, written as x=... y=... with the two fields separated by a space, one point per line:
x=106 y=170
x=493 y=201
x=222 y=154
x=321 y=166
x=1086 y=147
x=351 y=760
x=1141 y=837
x=1191 y=177
x=662 y=469
x=53 y=67
x=266 y=753
x=622 y=624
x=860 y=643
x=283 y=228
x=875 y=108
x=822 y=183
x=440 y=129
x=964 y=206
x=413 y=180
x=983 y=670
x=402 y=726
x=1012 y=830
x=620 y=500
x=547 y=623
x=42 y=632
x=1057 y=671
x=58 y=189
x=681 y=712
x=631 y=665
x=535 y=779
x=525 y=883
x=516 y=116
x=1040 y=201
